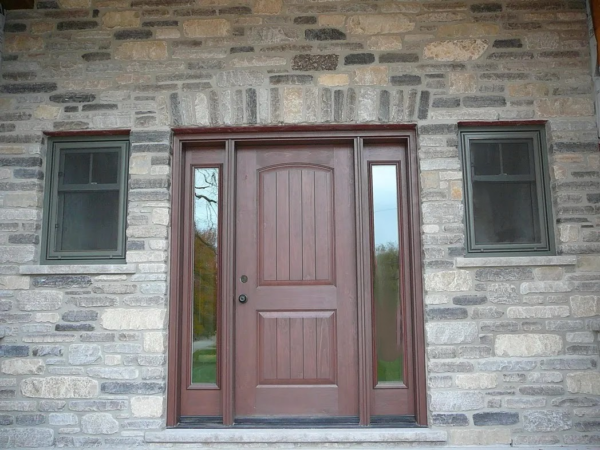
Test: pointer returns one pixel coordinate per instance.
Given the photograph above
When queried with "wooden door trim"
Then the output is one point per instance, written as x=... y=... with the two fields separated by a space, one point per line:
x=236 y=135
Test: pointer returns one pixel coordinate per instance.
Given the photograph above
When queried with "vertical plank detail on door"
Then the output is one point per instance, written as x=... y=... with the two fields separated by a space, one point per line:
x=296 y=226
x=297 y=347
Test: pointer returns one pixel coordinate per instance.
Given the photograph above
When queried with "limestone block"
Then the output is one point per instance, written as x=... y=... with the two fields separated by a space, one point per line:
x=46 y=112
x=154 y=342
x=142 y=51
x=81 y=354
x=39 y=300
x=543 y=421
x=568 y=233
x=459 y=30
x=462 y=83
x=147 y=406
x=99 y=423
x=267 y=6
x=21 y=43
x=372 y=76
x=451 y=333
x=59 y=387
x=588 y=263
x=161 y=216
x=337 y=79
x=480 y=437
x=121 y=19
x=584 y=383
x=525 y=345
x=385 y=42
x=292 y=104
x=456 y=401
x=22 y=366
x=379 y=24
x=133 y=319
x=139 y=164
x=206 y=28
x=459 y=50
x=452 y=280
x=476 y=380
x=585 y=305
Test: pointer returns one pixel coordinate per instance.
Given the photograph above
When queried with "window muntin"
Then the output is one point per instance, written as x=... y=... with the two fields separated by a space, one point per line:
x=85 y=201
x=507 y=207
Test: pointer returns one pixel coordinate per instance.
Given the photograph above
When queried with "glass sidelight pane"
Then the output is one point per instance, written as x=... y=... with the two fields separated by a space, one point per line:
x=387 y=309
x=206 y=275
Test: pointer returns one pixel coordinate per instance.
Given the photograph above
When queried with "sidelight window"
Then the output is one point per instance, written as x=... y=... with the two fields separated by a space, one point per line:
x=85 y=201
x=506 y=187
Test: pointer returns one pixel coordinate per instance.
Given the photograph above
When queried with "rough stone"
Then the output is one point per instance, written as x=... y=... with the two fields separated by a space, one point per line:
x=140 y=51
x=451 y=333
x=525 y=345
x=585 y=305
x=121 y=19
x=456 y=280
x=456 y=401
x=26 y=437
x=459 y=50
x=379 y=24
x=82 y=354
x=206 y=28
x=545 y=421
x=99 y=423
x=23 y=366
x=39 y=300
x=59 y=387
x=584 y=383
x=148 y=407
x=476 y=381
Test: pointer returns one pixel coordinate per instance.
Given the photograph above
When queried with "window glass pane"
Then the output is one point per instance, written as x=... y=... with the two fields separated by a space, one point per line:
x=76 y=169
x=105 y=167
x=515 y=158
x=206 y=275
x=88 y=221
x=485 y=158
x=386 y=274
x=497 y=220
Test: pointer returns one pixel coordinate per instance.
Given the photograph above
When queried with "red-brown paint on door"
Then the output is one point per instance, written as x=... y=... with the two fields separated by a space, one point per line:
x=296 y=336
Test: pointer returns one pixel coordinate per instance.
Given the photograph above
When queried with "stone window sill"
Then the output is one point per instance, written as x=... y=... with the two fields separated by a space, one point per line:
x=517 y=261
x=295 y=436
x=71 y=269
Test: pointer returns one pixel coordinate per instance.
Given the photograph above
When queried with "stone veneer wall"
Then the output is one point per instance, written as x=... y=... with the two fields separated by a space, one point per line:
x=512 y=351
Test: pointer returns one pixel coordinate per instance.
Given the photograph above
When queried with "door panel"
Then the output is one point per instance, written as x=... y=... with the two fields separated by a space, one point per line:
x=296 y=337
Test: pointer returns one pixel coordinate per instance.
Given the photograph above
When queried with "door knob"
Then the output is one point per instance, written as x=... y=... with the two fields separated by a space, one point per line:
x=242 y=298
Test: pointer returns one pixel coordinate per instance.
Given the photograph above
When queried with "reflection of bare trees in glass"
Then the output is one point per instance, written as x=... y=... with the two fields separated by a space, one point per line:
x=206 y=238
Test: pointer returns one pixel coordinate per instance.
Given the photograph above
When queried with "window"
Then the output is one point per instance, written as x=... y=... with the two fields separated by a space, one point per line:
x=507 y=193
x=85 y=200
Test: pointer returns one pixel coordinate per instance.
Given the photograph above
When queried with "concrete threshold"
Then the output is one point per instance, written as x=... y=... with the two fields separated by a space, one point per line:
x=297 y=436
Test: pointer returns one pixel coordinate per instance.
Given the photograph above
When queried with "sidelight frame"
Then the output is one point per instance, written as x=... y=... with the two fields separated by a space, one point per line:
x=227 y=138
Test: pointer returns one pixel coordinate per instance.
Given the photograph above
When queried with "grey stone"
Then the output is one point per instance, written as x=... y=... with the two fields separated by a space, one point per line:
x=28 y=88
x=359 y=59
x=449 y=420
x=133 y=34
x=26 y=437
x=446 y=313
x=504 y=274
x=81 y=354
x=456 y=401
x=28 y=420
x=14 y=350
x=545 y=421
x=495 y=418
x=80 y=315
x=126 y=387
x=52 y=405
x=451 y=333
x=98 y=405
x=324 y=34
x=506 y=365
x=568 y=363
x=424 y=105
x=468 y=300
x=73 y=97
x=99 y=423
x=61 y=281
x=315 y=62
x=542 y=390
x=290 y=80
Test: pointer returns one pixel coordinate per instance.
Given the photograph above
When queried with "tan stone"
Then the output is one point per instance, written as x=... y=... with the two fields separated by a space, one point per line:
x=206 y=27
x=46 y=112
x=59 y=387
x=133 y=319
x=41 y=27
x=332 y=21
x=167 y=33
x=147 y=406
x=561 y=107
x=371 y=76
x=21 y=43
x=146 y=50
x=14 y=282
x=121 y=19
x=456 y=191
x=585 y=305
x=267 y=6
x=379 y=24
x=73 y=4
x=528 y=90
x=476 y=381
x=405 y=7
x=430 y=180
x=387 y=42
x=460 y=50
x=584 y=383
x=337 y=79
x=480 y=437
x=258 y=61
x=292 y=104
x=452 y=280
x=525 y=345
x=588 y=263
x=471 y=30
x=140 y=164
x=23 y=366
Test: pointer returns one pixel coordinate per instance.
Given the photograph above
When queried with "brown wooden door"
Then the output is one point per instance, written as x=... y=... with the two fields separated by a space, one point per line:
x=296 y=336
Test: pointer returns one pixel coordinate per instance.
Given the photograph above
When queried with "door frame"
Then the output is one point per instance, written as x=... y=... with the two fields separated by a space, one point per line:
x=185 y=138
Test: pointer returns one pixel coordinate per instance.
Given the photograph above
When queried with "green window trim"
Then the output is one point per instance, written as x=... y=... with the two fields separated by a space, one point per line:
x=537 y=178
x=57 y=190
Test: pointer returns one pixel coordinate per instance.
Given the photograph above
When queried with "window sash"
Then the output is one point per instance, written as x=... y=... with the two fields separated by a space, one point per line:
x=534 y=137
x=55 y=189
